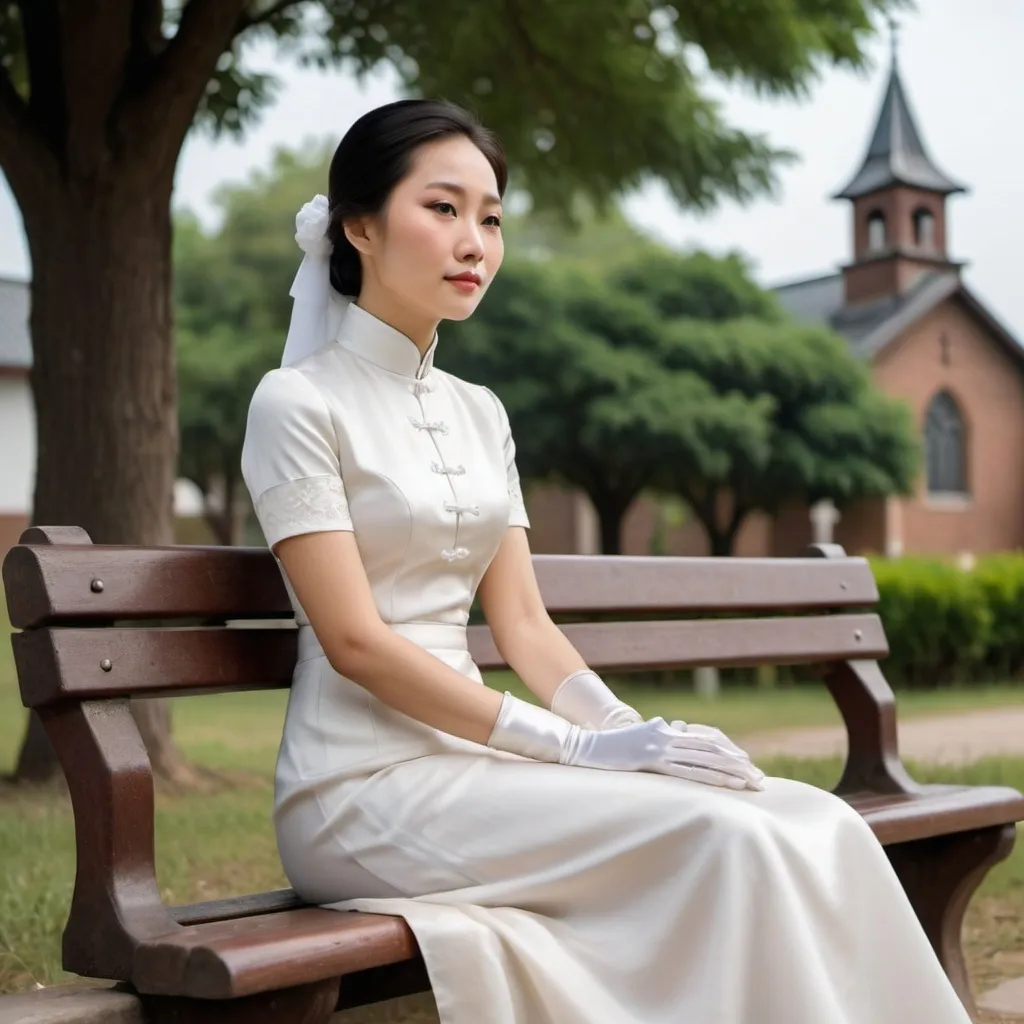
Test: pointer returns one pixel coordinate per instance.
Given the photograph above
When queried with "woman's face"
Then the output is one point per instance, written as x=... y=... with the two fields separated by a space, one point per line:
x=437 y=244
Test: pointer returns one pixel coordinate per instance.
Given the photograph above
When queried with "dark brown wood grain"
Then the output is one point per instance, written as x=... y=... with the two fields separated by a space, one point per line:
x=633 y=646
x=239 y=957
x=939 y=875
x=116 y=901
x=304 y=1004
x=104 y=624
x=59 y=663
x=93 y=582
x=252 y=905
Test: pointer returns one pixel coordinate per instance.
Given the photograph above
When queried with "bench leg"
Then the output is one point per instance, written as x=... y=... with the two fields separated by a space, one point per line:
x=940 y=875
x=305 y=1004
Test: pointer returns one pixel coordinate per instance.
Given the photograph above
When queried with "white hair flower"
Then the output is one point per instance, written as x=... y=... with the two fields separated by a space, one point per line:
x=311 y=227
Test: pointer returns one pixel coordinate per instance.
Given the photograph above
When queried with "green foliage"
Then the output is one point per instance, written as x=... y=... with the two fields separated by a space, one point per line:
x=946 y=625
x=831 y=434
x=232 y=309
x=1001 y=581
x=676 y=372
x=595 y=95
x=698 y=286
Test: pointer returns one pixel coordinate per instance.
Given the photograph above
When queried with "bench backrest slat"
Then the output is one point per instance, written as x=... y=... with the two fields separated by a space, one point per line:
x=96 y=583
x=73 y=663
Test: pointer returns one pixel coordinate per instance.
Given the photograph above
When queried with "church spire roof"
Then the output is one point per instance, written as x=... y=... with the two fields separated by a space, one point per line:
x=896 y=155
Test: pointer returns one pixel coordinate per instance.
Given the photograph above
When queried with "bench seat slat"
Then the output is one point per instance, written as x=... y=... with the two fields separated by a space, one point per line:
x=47 y=585
x=226 y=958
x=237 y=906
x=232 y=958
x=59 y=663
x=937 y=810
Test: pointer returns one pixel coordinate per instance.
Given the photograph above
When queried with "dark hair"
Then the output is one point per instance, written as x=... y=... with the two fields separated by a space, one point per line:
x=376 y=154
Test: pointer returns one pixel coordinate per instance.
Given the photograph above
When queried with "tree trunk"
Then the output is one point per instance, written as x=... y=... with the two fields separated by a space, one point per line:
x=226 y=512
x=723 y=539
x=103 y=382
x=611 y=511
x=710 y=510
x=721 y=542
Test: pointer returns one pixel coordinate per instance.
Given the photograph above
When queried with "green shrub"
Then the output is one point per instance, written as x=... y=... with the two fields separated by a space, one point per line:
x=950 y=625
x=1001 y=579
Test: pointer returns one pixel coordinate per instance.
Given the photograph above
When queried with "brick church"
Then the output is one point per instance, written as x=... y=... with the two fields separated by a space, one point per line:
x=902 y=306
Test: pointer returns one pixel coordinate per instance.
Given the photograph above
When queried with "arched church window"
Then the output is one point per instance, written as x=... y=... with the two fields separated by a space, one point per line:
x=924 y=229
x=877 y=239
x=945 y=446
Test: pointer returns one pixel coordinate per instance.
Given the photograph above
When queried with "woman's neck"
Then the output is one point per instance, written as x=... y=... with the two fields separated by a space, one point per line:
x=413 y=325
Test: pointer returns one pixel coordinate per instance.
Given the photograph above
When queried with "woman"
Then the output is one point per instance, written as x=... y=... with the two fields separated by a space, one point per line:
x=567 y=866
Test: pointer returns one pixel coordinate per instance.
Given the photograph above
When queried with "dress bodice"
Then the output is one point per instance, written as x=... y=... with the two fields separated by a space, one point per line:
x=365 y=435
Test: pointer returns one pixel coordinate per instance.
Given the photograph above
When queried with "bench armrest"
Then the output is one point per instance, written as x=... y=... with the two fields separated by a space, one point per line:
x=868 y=706
x=116 y=902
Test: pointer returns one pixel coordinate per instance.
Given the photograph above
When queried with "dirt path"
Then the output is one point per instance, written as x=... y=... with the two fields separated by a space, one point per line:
x=943 y=739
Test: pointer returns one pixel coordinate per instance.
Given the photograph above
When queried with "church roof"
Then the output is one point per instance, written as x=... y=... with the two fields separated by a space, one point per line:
x=896 y=154
x=870 y=326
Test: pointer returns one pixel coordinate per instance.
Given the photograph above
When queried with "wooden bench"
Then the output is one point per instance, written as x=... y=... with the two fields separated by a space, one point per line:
x=102 y=624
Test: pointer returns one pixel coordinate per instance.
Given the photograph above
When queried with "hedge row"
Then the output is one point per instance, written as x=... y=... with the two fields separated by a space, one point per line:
x=950 y=625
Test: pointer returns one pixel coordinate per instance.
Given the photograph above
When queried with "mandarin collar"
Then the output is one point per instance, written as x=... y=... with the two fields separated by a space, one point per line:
x=379 y=343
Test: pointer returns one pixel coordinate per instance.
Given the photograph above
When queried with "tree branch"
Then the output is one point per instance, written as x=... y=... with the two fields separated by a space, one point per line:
x=24 y=151
x=147 y=29
x=248 y=21
x=95 y=40
x=156 y=115
x=41 y=30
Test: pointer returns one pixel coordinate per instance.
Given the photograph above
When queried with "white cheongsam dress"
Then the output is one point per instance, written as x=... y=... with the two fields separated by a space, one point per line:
x=539 y=893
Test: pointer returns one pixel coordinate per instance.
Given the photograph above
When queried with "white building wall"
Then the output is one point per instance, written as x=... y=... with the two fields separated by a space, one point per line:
x=18 y=455
x=17 y=446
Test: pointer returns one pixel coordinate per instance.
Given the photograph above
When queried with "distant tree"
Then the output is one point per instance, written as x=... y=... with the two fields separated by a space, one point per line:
x=830 y=433
x=217 y=374
x=678 y=373
x=232 y=309
x=586 y=409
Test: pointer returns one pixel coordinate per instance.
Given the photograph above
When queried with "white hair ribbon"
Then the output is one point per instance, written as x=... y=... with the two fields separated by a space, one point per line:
x=317 y=308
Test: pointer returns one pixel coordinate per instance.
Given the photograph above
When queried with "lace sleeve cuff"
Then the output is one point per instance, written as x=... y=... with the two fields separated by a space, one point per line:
x=316 y=504
x=516 y=505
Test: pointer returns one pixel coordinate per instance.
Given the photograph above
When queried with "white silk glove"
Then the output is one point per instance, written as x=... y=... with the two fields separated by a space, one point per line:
x=584 y=698
x=652 y=746
x=716 y=736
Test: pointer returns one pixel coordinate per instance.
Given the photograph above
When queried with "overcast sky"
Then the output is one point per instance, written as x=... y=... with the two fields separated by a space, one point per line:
x=963 y=66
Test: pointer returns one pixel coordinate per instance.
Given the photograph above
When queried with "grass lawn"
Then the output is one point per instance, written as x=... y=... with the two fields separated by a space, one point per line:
x=221 y=843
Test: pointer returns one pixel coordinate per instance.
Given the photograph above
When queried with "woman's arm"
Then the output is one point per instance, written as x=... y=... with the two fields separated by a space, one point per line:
x=534 y=647
x=328 y=577
x=541 y=655
x=327 y=573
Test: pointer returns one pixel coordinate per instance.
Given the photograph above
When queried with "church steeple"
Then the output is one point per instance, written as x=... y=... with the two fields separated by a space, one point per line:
x=896 y=155
x=899 y=203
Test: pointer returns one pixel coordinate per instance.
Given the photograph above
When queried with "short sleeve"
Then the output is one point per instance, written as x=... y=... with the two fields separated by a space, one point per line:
x=516 y=505
x=290 y=459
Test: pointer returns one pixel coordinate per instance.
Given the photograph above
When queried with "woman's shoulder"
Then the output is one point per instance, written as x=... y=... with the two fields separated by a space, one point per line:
x=283 y=389
x=478 y=394
x=290 y=401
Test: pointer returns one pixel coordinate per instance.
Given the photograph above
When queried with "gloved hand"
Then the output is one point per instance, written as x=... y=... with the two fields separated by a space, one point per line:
x=652 y=746
x=584 y=698
x=716 y=736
